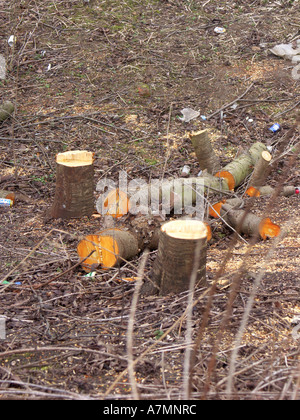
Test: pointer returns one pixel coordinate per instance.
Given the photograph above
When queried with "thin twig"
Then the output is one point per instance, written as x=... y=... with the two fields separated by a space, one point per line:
x=230 y=103
x=130 y=326
x=248 y=308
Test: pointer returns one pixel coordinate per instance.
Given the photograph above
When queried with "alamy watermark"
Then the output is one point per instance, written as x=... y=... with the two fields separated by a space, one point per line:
x=156 y=197
x=2 y=67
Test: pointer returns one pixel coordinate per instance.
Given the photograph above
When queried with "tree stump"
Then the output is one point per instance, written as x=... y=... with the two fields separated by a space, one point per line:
x=179 y=242
x=261 y=169
x=204 y=151
x=74 y=194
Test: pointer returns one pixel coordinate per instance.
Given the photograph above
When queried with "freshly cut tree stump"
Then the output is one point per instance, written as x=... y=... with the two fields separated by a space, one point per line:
x=111 y=247
x=204 y=151
x=74 y=194
x=175 y=261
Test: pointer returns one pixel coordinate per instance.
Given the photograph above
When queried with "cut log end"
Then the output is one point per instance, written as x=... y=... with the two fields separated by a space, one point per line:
x=253 y=192
x=268 y=229
x=75 y=158
x=228 y=177
x=111 y=247
x=185 y=229
x=215 y=210
x=266 y=156
x=105 y=252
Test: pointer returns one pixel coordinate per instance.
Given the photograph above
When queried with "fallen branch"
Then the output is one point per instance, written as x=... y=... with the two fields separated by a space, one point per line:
x=241 y=221
x=286 y=191
x=249 y=224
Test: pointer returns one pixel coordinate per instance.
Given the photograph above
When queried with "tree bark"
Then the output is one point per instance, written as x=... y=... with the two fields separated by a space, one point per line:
x=176 y=260
x=261 y=169
x=204 y=151
x=74 y=194
x=248 y=223
x=237 y=170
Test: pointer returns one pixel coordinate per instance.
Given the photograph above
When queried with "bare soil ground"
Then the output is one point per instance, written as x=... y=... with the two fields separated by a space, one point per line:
x=77 y=77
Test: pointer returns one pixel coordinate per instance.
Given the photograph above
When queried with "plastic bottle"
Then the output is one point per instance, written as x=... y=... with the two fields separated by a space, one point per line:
x=5 y=202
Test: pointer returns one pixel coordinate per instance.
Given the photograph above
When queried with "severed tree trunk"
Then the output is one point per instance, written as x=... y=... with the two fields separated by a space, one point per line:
x=176 y=259
x=165 y=196
x=159 y=198
x=249 y=223
x=261 y=169
x=109 y=248
x=237 y=170
x=74 y=194
x=204 y=151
